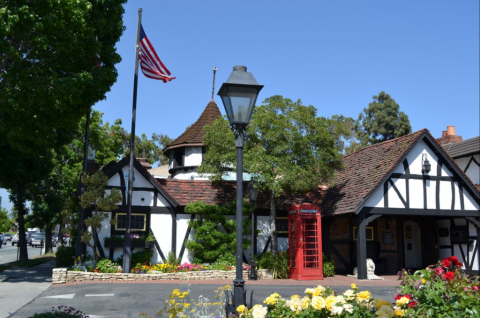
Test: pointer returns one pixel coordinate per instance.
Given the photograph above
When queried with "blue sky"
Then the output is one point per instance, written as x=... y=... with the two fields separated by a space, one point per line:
x=334 y=55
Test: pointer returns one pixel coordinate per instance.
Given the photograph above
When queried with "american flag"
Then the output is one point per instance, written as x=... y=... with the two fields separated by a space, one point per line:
x=150 y=63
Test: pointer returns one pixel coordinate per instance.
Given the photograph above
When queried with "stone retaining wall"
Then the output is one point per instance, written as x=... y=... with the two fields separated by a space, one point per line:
x=63 y=275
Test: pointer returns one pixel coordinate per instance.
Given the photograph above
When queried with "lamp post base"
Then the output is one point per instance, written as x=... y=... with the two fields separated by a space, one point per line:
x=239 y=292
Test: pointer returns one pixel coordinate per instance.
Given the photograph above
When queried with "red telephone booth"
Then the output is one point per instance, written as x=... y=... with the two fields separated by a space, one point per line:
x=305 y=242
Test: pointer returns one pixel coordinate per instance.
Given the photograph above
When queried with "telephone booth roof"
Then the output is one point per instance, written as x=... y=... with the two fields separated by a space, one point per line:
x=304 y=208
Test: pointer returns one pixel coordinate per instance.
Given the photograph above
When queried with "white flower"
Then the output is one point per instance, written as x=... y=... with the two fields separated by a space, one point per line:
x=337 y=310
x=348 y=308
x=258 y=311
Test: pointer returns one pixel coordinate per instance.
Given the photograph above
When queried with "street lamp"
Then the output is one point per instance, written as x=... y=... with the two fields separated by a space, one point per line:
x=252 y=197
x=239 y=95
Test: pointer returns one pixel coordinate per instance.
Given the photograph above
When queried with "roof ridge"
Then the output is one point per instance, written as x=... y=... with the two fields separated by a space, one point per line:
x=386 y=142
x=195 y=133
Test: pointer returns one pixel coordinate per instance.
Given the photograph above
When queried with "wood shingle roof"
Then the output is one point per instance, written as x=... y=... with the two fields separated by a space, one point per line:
x=193 y=136
x=364 y=171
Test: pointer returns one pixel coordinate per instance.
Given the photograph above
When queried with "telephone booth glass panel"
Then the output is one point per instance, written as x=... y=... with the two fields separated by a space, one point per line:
x=305 y=243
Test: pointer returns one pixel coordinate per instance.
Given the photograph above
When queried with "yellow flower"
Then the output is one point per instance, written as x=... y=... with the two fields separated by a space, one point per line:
x=309 y=291
x=379 y=302
x=364 y=296
x=242 y=309
x=385 y=311
x=423 y=281
x=402 y=301
x=295 y=297
x=399 y=313
x=318 y=302
x=330 y=301
x=319 y=290
x=354 y=286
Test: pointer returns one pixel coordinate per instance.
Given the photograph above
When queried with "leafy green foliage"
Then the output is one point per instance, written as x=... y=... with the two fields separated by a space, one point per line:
x=5 y=221
x=287 y=149
x=49 y=76
x=382 y=121
x=65 y=256
x=214 y=234
x=441 y=290
x=95 y=197
x=328 y=266
x=107 y=266
x=276 y=262
x=139 y=257
x=61 y=311
x=171 y=259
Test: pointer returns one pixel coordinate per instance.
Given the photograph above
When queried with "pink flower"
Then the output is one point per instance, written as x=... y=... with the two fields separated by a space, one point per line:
x=439 y=271
x=475 y=288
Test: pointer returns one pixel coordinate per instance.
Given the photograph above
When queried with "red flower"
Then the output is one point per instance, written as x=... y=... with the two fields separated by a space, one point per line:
x=452 y=259
x=449 y=276
x=400 y=296
x=475 y=288
x=458 y=264
x=412 y=304
x=446 y=263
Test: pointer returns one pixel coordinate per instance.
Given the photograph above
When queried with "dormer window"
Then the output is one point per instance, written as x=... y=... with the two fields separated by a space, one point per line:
x=178 y=157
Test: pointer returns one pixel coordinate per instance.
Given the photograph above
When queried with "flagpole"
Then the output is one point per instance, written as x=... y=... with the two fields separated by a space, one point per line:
x=127 y=247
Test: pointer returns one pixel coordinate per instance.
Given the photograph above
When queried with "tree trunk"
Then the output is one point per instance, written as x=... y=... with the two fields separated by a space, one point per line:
x=48 y=240
x=18 y=198
x=273 y=227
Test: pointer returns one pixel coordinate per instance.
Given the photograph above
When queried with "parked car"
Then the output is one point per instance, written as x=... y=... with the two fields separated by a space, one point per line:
x=54 y=240
x=8 y=236
x=14 y=240
x=3 y=240
x=37 y=240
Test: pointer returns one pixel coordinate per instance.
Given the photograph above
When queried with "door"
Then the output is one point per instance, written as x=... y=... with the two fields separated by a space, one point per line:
x=412 y=245
x=429 y=243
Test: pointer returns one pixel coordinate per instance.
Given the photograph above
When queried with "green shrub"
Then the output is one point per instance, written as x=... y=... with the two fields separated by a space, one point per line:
x=107 y=266
x=65 y=256
x=278 y=264
x=224 y=262
x=172 y=260
x=61 y=312
x=328 y=266
x=139 y=257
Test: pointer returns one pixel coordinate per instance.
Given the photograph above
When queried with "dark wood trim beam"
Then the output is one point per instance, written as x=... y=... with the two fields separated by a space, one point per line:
x=422 y=177
x=421 y=212
x=361 y=246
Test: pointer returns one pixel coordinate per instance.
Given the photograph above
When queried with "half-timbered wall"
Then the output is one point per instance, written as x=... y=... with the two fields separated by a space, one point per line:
x=409 y=192
x=471 y=166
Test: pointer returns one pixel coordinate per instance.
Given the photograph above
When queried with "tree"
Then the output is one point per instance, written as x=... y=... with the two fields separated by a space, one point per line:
x=287 y=149
x=344 y=129
x=382 y=121
x=96 y=198
x=215 y=235
x=5 y=221
x=150 y=149
x=57 y=58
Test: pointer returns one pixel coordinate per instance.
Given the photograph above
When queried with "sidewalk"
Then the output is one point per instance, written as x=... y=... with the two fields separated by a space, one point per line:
x=19 y=286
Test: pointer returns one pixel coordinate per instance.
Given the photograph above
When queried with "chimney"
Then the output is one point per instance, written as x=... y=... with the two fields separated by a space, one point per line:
x=449 y=136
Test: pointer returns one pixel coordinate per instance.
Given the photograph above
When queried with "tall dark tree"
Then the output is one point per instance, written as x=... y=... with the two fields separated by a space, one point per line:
x=57 y=58
x=382 y=120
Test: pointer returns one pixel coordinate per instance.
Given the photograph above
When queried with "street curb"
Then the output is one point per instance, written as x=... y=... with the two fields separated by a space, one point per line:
x=3 y=278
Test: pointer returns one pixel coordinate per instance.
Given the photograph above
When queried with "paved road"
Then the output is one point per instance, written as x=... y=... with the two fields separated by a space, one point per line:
x=8 y=253
x=127 y=300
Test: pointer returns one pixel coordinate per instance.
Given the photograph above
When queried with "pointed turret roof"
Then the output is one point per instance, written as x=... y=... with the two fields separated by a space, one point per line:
x=194 y=135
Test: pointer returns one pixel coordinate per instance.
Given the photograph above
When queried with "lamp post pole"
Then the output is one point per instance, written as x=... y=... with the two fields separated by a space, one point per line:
x=239 y=95
x=239 y=283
